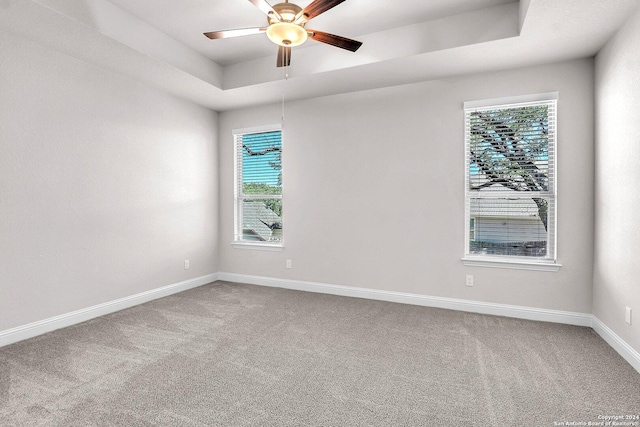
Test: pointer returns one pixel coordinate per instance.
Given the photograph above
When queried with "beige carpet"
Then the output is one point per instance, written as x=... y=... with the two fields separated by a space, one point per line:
x=233 y=355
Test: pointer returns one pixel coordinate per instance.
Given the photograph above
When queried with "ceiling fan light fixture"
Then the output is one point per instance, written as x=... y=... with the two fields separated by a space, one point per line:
x=286 y=27
x=287 y=34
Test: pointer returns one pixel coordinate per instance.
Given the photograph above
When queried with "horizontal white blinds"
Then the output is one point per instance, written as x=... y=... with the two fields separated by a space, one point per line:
x=510 y=179
x=259 y=156
x=258 y=194
x=511 y=148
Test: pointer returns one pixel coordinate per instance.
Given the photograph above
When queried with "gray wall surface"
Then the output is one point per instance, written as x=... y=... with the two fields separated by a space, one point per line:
x=373 y=190
x=106 y=185
x=617 y=198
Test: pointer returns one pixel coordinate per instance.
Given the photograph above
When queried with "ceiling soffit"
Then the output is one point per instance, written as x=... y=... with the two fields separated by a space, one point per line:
x=471 y=40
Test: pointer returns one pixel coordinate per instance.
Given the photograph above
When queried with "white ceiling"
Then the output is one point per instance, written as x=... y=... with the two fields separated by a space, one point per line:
x=186 y=20
x=161 y=42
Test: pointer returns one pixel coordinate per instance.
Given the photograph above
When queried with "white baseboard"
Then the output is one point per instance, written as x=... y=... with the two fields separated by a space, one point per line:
x=20 y=333
x=529 y=313
x=617 y=343
x=518 y=312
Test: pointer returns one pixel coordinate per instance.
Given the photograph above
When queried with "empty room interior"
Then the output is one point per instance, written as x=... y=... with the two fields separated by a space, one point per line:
x=360 y=212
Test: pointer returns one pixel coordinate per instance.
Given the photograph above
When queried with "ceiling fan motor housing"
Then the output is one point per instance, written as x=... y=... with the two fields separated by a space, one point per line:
x=285 y=32
x=287 y=11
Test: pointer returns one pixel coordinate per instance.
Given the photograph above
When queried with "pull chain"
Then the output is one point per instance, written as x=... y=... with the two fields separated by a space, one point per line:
x=286 y=77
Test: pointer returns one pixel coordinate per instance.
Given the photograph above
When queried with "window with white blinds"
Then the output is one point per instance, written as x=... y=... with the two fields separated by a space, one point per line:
x=510 y=165
x=258 y=192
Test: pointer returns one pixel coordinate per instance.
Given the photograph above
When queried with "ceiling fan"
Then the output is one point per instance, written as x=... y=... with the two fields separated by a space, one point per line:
x=287 y=27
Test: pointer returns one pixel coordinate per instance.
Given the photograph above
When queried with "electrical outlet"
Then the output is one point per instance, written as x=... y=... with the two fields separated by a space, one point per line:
x=288 y=263
x=469 y=281
x=186 y=264
x=627 y=315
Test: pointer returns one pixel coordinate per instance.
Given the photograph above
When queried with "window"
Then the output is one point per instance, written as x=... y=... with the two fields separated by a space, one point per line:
x=258 y=192
x=510 y=203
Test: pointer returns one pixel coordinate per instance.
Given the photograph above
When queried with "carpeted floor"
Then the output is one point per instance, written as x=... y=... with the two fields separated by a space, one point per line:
x=233 y=355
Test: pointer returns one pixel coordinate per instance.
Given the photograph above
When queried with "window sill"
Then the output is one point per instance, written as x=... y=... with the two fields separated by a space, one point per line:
x=510 y=263
x=258 y=246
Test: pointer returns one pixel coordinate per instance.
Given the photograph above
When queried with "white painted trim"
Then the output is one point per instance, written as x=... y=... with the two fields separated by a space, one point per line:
x=512 y=100
x=40 y=327
x=257 y=129
x=515 y=311
x=618 y=344
x=258 y=246
x=507 y=263
x=20 y=333
x=519 y=312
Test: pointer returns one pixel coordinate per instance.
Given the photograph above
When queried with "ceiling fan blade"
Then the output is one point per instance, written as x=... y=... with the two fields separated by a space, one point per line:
x=284 y=56
x=266 y=8
x=315 y=8
x=225 y=34
x=332 y=39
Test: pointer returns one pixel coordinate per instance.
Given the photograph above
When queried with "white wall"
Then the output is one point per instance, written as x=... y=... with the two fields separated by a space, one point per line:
x=106 y=185
x=374 y=194
x=617 y=230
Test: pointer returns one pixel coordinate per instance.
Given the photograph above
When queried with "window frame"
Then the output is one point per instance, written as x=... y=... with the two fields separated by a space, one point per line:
x=238 y=194
x=548 y=263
